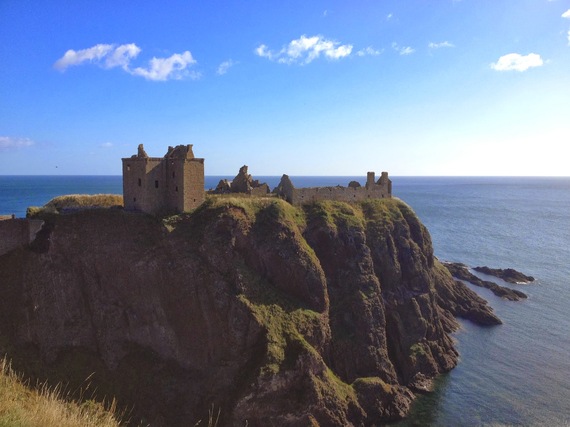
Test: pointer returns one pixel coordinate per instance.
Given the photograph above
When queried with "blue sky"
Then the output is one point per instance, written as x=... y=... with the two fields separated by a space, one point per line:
x=305 y=88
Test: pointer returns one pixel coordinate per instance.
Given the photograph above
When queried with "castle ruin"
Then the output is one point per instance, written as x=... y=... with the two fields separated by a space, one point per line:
x=353 y=193
x=175 y=183
x=158 y=185
x=242 y=183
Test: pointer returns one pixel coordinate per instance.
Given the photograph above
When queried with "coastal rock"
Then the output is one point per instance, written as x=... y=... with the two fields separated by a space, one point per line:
x=461 y=271
x=509 y=275
x=329 y=315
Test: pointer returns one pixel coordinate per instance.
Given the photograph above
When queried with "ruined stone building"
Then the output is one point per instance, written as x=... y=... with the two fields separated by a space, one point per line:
x=353 y=193
x=159 y=185
x=242 y=183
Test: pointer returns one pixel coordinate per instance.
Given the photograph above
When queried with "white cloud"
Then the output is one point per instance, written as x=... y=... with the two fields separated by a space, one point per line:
x=76 y=57
x=263 y=51
x=305 y=50
x=517 y=62
x=369 y=51
x=111 y=56
x=566 y=14
x=389 y=16
x=403 y=50
x=9 y=142
x=106 y=145
x=440 y=45
x=225 y=66
x=122 y=55
x=173 y=67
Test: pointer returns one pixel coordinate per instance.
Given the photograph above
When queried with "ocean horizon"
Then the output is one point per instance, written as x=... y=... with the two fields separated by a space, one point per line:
x=517 y=373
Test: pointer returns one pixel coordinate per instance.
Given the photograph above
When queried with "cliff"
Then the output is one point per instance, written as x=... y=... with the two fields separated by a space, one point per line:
x=331 y=314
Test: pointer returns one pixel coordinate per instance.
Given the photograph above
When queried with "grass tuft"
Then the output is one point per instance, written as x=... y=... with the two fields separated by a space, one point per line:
x=22 y=406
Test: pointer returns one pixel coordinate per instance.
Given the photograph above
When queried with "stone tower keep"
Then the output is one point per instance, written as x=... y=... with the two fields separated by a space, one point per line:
x=171 y=184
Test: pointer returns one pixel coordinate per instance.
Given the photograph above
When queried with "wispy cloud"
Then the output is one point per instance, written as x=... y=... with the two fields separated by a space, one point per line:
x=109 y=56
x=389 y=16
x=305 y=50
x=369 y=51
x=106 y=145
x=517 y=62
x=432 y=45
x=10 y=142
x=403 y=50
x=174 y=67
x=566 y=14
x=224 y=67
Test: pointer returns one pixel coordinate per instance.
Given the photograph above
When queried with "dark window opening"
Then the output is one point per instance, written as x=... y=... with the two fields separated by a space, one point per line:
x=156 y=184
x=173 y=174
x=134 y=199
x=176 y=189
x=140 y=182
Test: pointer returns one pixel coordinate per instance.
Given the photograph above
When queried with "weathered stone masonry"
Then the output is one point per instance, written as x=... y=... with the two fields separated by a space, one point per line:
x=171 y=184
x=353 y=193
x=17 y=232
x=175 y=183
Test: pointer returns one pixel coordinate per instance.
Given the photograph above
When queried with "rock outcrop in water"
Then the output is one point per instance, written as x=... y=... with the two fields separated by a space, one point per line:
x=330 y=315
x=509 y=275
x=461 y=271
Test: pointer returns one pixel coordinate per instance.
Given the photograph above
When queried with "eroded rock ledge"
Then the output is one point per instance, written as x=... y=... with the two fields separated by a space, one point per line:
x=461 y=271
x=509 y=275
x=332 y=314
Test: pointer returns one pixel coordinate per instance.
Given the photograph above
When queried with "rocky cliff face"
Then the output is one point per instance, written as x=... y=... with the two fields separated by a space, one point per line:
x=329 y=315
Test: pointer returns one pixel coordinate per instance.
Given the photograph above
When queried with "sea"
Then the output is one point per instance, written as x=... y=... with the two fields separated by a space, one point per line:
x=515 y=374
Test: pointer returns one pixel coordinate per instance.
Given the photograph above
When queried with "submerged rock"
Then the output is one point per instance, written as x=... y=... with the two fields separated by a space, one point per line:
x=329 y=315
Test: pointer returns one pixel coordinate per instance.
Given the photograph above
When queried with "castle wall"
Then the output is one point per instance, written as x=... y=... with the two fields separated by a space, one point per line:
x=373 y=190
x=144 y=184
x=341 y=194
x=17 y=232
x=193 y=175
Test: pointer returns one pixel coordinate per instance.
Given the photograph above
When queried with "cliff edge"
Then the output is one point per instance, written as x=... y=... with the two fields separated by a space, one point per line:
x=332 y=314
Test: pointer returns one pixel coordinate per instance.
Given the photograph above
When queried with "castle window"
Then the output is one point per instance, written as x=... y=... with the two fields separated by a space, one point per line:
x=134 y=199
x=173 y=174
x=176 y=189
x=140 y=182
x=128 y=167
x=156 y=184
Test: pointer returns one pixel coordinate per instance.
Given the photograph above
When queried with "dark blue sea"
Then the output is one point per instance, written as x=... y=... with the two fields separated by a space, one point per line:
x=516 y=374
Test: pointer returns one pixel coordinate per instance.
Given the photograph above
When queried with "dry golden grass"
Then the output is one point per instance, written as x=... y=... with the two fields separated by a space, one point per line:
x=21 y=406
x=85 y=200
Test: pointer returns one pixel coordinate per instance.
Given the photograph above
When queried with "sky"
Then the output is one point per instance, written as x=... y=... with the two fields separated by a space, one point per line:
x=446 y=87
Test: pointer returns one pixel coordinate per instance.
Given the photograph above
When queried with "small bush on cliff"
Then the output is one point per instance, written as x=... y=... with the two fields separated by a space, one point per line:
x=26 y=407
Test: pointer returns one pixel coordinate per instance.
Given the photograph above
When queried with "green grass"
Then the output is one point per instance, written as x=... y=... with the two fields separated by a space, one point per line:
x=373 y=381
